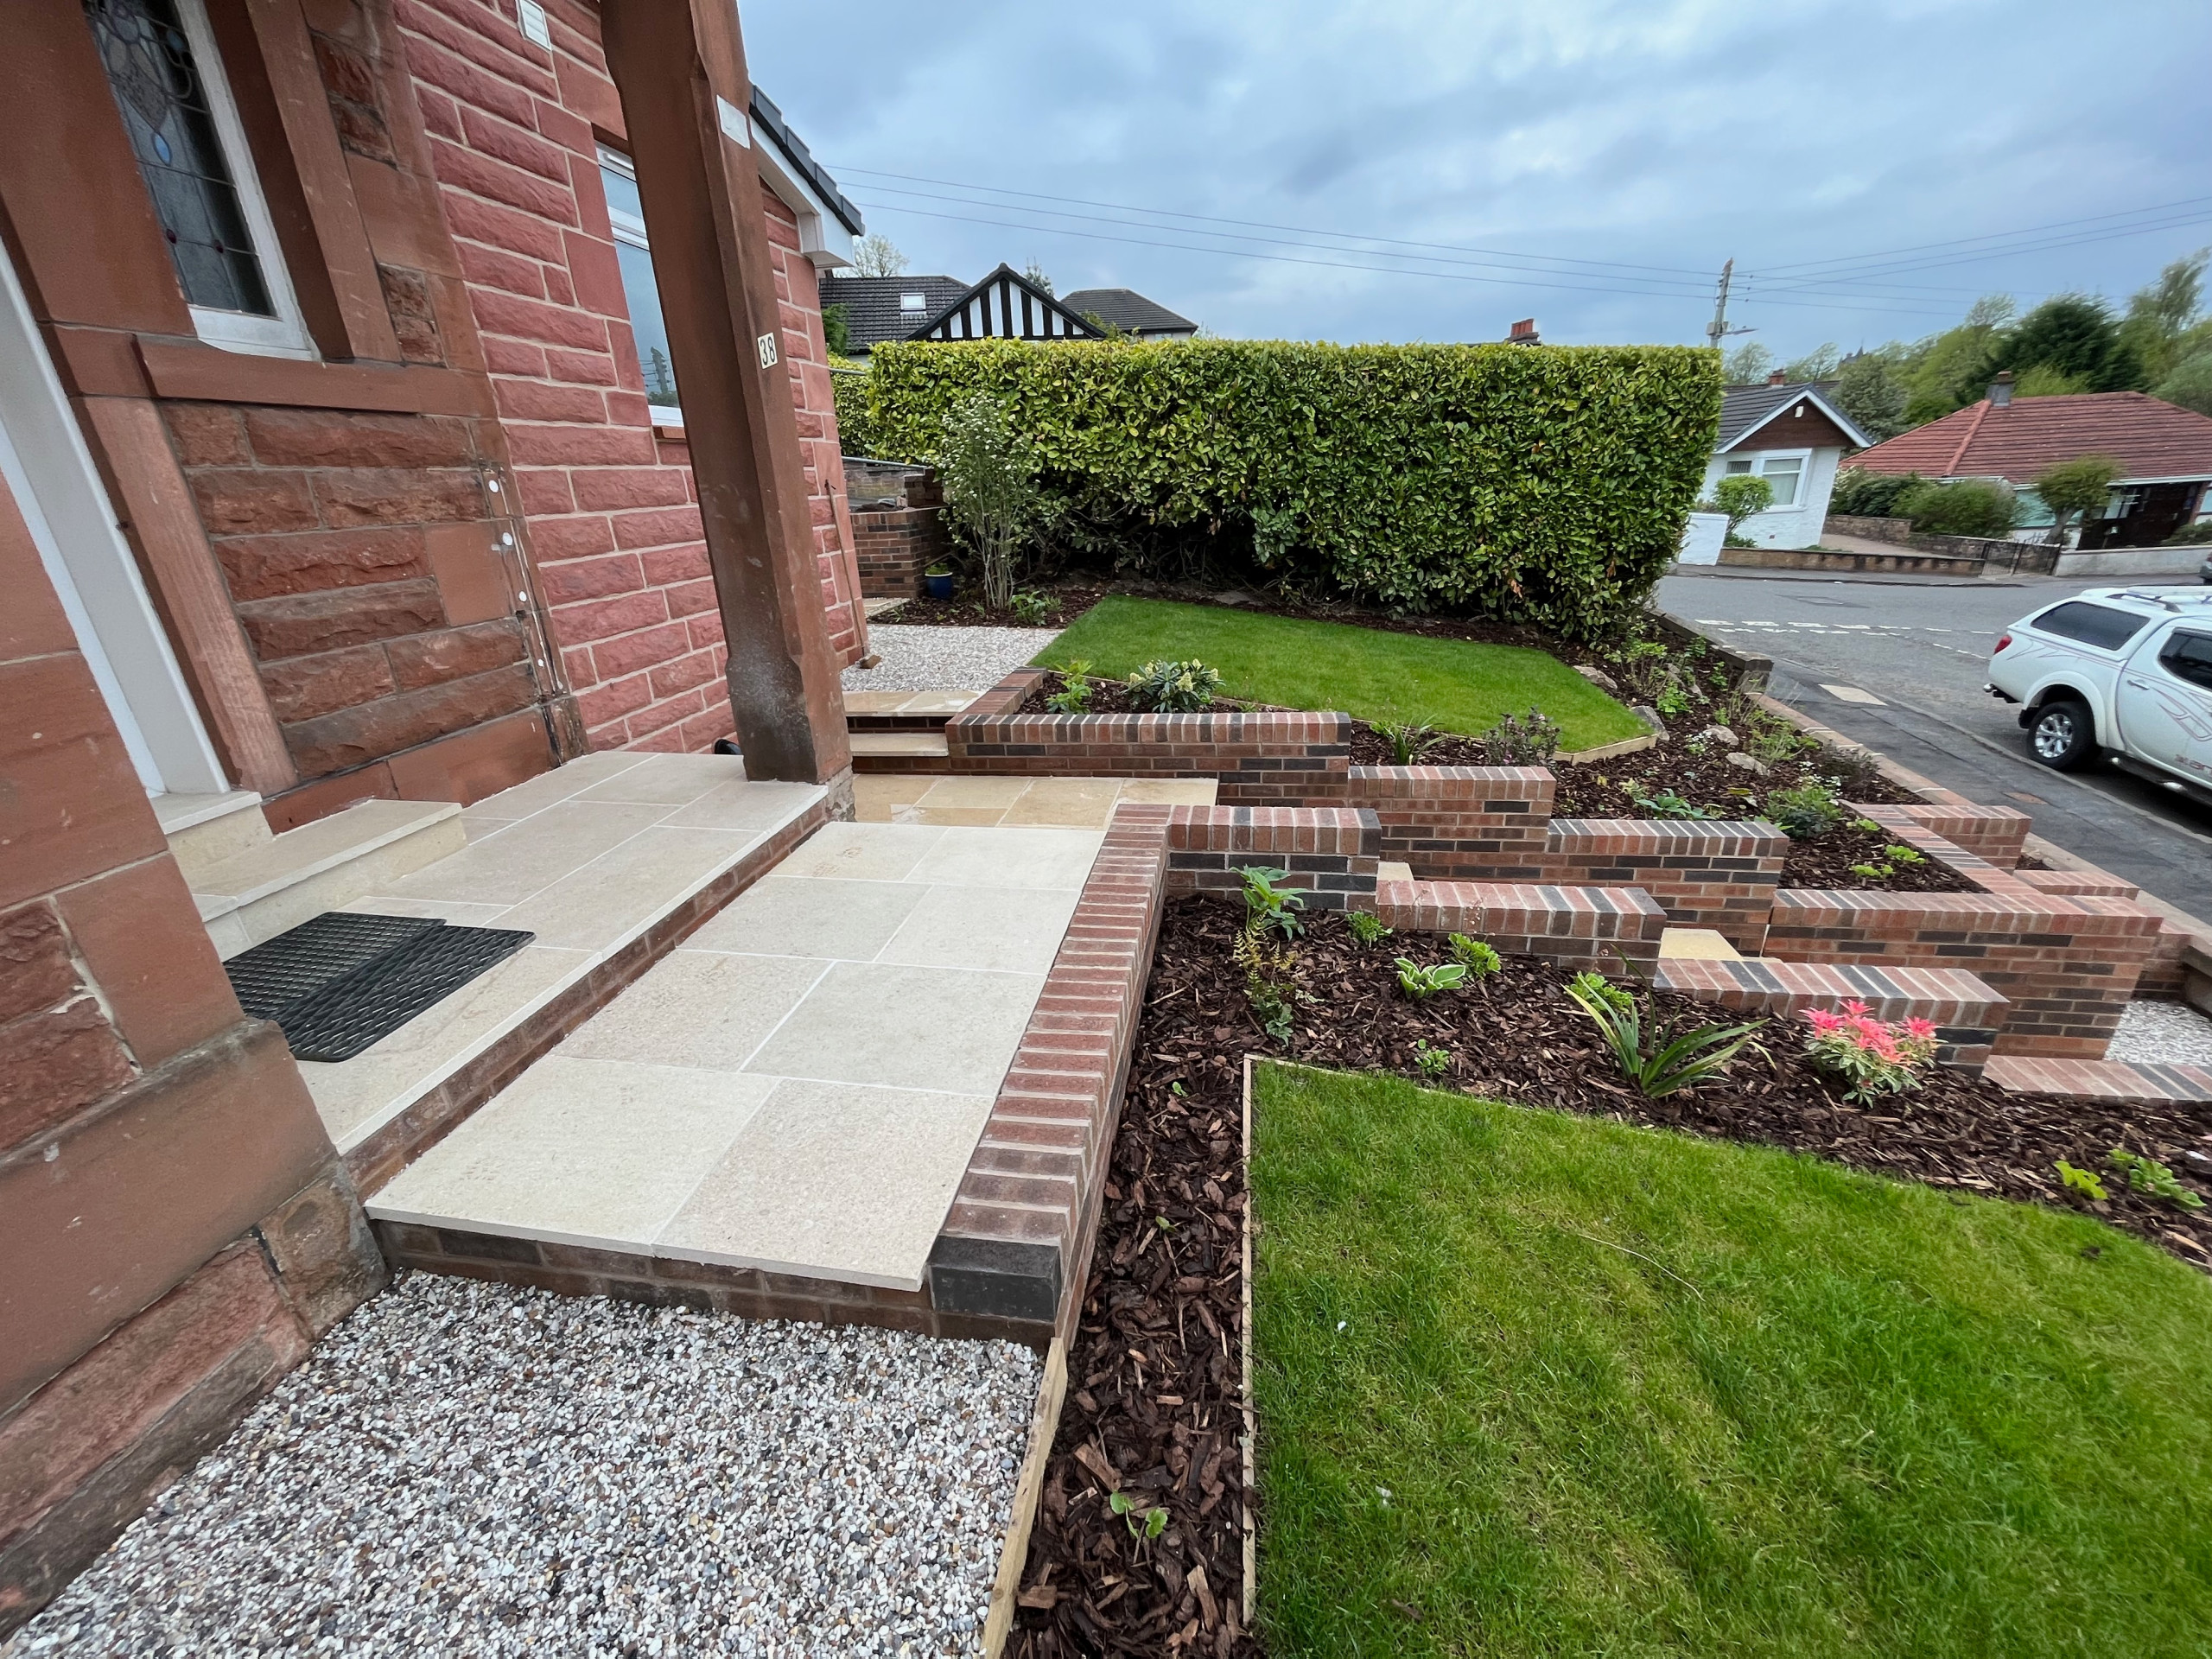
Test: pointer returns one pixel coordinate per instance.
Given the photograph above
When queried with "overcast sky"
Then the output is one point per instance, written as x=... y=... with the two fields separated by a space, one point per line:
x=1540 y=149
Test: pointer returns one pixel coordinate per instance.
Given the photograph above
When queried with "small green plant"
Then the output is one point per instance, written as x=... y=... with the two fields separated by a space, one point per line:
x=1270 y=982
x=1267 y=906
x=1904 y=856
x=2148 y=1175
x=1433 y=1061
x=1656 y=1063
x=1667 y=803
x=1776 y=741
x=1144 y=1524
x=1174 y=688
x=1478 y=959
x=1074 y=696
x=1806 y=812
x=1030 y=609
x=1409 y=740
x=2080 y=1181
x=1420 y=983
x=1366 y=928
x=1526 y=739
x=1866 y=826
x=1873 y=872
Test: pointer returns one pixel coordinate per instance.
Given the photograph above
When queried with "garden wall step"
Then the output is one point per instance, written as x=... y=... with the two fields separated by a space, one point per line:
x=898 y=752
x=1586 y=927
x=1710 y=874
x=278 y=882
x=1329 y=851
x=1966 y=1012
x=2119 y=1080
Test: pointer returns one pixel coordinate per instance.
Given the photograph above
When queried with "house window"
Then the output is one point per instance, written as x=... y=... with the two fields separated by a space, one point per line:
x=633 y=252
x=913 y=303
x=167 y=82
x=1783 y=472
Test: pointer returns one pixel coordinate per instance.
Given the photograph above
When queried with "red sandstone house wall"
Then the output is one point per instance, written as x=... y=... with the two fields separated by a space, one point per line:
x=175 y=1229
x=614 y=524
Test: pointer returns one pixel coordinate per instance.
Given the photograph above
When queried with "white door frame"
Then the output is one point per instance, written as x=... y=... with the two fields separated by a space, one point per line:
x=50 y=472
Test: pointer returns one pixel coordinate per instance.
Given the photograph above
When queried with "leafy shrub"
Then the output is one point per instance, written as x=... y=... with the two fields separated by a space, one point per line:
x=1861 y=494
x=855 y=425
x=991 y=495
x=1545 y=485
x=1030 y=609
x=1973 y=507
x=1874 y=1058
x=1655 y=1064
x=1526 y=739
x=1479 y=959
x=1367 y=928
x=2191 y=535
x=1806 y=812
x=2148 y=1175
x=1667 y=803
x=1163 y=688
x=1074 y=696
x=1740 y=495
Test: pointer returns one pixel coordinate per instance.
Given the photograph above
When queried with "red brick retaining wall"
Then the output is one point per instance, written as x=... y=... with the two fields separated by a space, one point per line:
x=1706 y=874
x=1966 y=1013
x=1581 y=927
x=894 y=546
x=1328 y=853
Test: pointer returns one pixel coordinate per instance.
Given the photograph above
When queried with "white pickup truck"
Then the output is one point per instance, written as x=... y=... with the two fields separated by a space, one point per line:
x=2123 y=671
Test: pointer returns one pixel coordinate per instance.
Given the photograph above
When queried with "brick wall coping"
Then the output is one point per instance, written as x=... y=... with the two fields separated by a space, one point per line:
x=1706 y=837
x=1966 y=1011
x=1505 y=789
x=1015 y=1246
x=1519 y=914
x=1965 y=911
x=2022 y=1074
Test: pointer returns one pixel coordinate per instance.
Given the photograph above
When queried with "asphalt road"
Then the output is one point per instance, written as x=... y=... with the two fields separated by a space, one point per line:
x=1920 y=645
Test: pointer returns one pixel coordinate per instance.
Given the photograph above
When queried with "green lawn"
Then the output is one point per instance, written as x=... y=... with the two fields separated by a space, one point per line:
x=1377 y=675
x=1812 y=1414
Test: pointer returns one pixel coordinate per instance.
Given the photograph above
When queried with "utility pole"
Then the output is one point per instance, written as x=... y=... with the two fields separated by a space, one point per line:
x=1718 y=330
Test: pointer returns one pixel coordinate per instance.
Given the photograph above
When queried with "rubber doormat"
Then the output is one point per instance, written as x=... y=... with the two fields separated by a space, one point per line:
x=343 y=981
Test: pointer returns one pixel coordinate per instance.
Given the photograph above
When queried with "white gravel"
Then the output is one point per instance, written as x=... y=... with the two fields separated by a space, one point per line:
x=2163 y=1033
x=473 y=1468
x=936 y=659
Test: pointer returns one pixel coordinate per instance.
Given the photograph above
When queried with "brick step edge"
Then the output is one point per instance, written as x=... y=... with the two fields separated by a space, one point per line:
x=1966 y=1012
x=1606 y=928
x=2111 y=1080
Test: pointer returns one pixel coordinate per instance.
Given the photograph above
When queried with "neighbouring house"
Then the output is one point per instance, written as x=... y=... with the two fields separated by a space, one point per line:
x=398 y=398
x=878 y=309
x=1130 y=312
x=2164 y=453
x=1794 y=436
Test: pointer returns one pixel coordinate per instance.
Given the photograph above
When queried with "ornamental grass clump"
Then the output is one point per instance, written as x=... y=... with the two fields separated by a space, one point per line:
x=1873 y=1057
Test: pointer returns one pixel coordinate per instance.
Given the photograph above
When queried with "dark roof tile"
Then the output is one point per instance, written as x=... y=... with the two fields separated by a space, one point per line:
x=1128 y=309
x=873 y=313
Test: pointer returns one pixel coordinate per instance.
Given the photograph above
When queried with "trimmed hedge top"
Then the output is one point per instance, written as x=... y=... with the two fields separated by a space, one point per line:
x=1539 y=484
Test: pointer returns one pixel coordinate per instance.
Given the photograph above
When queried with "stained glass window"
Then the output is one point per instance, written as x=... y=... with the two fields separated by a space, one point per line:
x=167 y=109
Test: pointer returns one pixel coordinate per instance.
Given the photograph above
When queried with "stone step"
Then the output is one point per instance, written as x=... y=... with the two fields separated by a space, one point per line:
x=279 y=883
x=2021 y=1074
x=1696 y=945
x=205 y=830
x=1966 y=1012
x=911 y=711
x=897 y=751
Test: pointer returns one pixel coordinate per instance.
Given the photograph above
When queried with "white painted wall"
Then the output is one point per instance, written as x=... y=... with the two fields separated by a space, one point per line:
x=1702 y=537
x=1798 y=525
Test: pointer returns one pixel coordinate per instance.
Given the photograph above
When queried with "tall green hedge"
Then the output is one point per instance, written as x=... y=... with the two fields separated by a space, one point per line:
x=1540 y=484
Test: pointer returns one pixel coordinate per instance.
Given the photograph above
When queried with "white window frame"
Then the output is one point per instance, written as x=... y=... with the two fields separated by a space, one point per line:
x=284 y=334
x=1758 y=459
x=629 y=228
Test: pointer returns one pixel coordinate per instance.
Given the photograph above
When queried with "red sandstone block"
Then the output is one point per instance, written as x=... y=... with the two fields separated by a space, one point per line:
x=206 y=434
x=364 y=496
x=646 y=648
x=573 y=580
x=244 y=503
x=610 y=488
x=603 y=619
x=263 y=567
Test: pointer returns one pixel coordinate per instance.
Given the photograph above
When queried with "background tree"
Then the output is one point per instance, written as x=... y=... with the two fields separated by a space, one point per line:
x=1870 y=389
x=1739 y=495
x=1953 y=369
x=988 y=469
x=836 y=330
x=877 y=255
x=1749 y=363
x=2164 y=326
x=1820 y=364
x=2190 y=384
x=2072 y=487
x=1036 y=273
x=2077 y=336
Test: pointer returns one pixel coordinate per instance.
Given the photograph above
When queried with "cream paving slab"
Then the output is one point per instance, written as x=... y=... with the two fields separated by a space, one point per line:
x=548 y=788
x=356 y=1097
x=1172 y=792
x=910 y=746
x=1068 y=804
x=669 y=779
x=951 y=701
x=950 y=817
x=524 y=857
x=315 y=849
x=875 y=795
x=1000 y=793
x=579 y=1152
x=745 y=806
x=697 y=1009
x=861 y=852
x=457 y=912
x=938 y=1028
x=822 y=916
x=996 y=930
x=614 y=896
x=1009 y=858
x=835 y=1181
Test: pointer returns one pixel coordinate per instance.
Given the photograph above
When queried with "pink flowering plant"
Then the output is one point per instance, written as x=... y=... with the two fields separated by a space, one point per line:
x=1874 y=1058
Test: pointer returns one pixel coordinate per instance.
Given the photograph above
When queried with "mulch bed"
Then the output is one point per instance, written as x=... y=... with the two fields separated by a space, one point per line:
x=1110 y=697
x=967 y=612
x=1826 y=861
x=1165 y=1424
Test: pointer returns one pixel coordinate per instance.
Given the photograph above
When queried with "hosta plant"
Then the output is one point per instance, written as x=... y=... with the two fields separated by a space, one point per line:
x=1420 y=983
x=1870 y=1056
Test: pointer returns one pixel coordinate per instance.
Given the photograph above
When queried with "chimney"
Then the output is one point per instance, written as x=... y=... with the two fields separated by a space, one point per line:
x=1777 y=378
x=2000 y=389
x=1523 y=334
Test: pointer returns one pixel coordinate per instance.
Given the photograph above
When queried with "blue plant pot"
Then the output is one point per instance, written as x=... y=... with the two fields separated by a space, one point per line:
x=939 y=587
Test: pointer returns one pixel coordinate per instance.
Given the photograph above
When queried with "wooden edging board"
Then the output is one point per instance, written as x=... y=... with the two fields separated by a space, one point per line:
x=1244 y=1346
x=1044 y=1424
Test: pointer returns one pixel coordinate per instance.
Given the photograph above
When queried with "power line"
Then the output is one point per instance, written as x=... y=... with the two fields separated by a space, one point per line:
x=2032 y=230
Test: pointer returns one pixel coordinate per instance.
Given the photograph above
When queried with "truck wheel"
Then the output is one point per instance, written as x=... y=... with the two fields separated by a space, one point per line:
x=2063 y=735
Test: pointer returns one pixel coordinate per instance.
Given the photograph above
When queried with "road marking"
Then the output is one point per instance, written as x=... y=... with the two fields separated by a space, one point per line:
x=1851 y=694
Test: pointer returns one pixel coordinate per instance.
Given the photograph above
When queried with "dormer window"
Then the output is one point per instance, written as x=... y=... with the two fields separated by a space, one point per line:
x=913 y=303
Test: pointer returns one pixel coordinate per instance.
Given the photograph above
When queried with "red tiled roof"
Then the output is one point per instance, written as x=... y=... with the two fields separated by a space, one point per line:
x=2150 y=438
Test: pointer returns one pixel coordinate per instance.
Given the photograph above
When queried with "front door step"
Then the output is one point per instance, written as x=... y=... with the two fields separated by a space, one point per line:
x=203 y=830
x=279 y=883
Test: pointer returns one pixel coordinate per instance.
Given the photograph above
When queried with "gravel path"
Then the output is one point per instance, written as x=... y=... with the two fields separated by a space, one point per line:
x=2163 y=1033
x=466 y=1467
x=934 y=659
